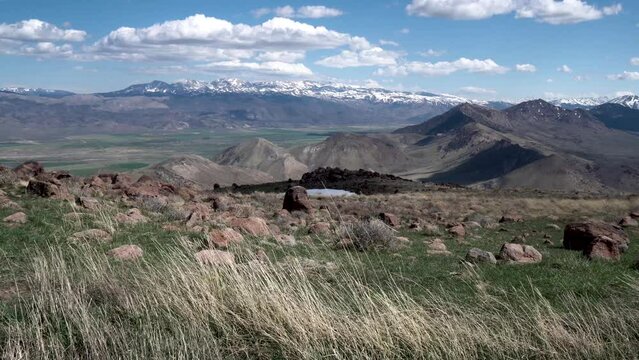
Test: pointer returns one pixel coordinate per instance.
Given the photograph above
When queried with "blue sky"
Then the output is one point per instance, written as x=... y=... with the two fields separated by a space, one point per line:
x=485 y=49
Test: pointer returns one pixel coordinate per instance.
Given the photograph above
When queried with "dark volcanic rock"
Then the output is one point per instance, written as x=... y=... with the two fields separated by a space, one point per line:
x=28 y=170
x=296 y=199
x=357 y=181
x=579 y=236
x=603 y=247
x=42 y=188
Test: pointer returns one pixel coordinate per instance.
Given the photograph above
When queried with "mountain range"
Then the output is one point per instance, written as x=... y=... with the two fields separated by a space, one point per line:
x=229 y=103
x=533 y=145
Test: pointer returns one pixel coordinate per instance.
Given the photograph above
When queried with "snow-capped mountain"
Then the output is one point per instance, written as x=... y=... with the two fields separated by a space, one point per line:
x=36 y=91
x=631 y=101
x=580 y=103
x=326 y=91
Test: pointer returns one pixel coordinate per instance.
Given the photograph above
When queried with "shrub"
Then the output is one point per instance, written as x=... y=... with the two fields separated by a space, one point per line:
x=368 y=234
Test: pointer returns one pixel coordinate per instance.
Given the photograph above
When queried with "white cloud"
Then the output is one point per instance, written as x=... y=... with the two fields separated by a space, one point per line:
x=634 y=61
x=281 y=56
x=265 y=68
x=623 y=93
x=39 y=31
x=582 y=77
x=487 y=66
x=432 y=53
x=550 y=81
x=477 y=90
x=547 y=11
x=304 y=12
x=388 y=43
x=564 y=69
x=529 y=68
x=626 y=75
x=460 y=9
x=405 y=31
x=373 y=56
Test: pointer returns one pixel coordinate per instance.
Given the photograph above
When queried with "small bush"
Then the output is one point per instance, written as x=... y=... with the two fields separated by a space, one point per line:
x=368 y=234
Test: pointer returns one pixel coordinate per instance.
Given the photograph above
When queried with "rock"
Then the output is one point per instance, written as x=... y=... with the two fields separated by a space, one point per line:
x=133 y=216
x=6 y=203
x=296 y=199
x=437 y=247
x=477 y=256
x=42 y=189
x=603 y=247
x=29 y=169
x=197 y=216
x=628 y=221
x=390 y=219
x=92 y=235
x=320 y=228
x=549 y=242
x=400 y=242
x=253 y=226
x=578 y=236
x=457 y=230
x=222 y=238
x=215 y=258
x=432 y=230
x=286 y=240
x=511 y=218
x=126 y=252
x=88 y=203
x=518 y=239
x=634 y=215
x=518 y=253
x=472 y=225
x=17 y=218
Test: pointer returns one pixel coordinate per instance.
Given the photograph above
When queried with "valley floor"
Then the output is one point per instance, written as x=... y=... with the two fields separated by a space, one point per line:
x=288 y=292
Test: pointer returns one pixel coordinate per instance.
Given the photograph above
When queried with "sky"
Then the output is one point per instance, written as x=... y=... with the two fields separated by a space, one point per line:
x=481 y=49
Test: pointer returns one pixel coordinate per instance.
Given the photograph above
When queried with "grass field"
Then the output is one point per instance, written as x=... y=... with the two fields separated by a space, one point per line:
x=310 y=300
x=84 y=155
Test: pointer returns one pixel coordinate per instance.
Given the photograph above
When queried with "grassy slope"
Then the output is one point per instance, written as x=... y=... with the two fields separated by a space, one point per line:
x=561 y=278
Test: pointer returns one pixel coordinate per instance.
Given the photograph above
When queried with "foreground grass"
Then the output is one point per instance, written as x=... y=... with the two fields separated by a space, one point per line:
x=78 y=303
x=83 y=305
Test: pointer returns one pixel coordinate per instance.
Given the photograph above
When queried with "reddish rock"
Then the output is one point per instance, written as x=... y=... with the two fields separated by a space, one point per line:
x=88 y=203
x=17 y=218
x=390 y=219
x=320 y=228
x=253 y=226
x=519 y=253
x=296 y=199
x=29 y=169
x=222 y=238
x=628 y=221
x=510 y=218
x=215 y=258
x=604 y=248
x=578 y=236
x=126 y=252
x=457 y=230
x=198 y=215
x=133 y=216
x=43 y=189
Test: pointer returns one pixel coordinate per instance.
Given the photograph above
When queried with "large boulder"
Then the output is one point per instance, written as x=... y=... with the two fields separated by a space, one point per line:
x=477 y=256
x=296 y=199
x=390 y=219
x=126 y=252
x=628 y=221
x=579 y=236
x=43 y=188
x=222 y=238
x=519 y=253
x=28 y=170
x=253 y=226
x=604 y=248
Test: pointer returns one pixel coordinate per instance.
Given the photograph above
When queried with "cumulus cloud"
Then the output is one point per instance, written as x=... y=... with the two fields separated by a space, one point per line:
x=477 y=90
x=564 y=69
x=487 y=66
x=265 y=68
x=39 y=31
x=529 y=68
x=547 y=11
x=626 y=75
x=373 y=56
x=388 y=43
x=281 y=56
x=634 y=61
x=432 y=53
x=304 y=12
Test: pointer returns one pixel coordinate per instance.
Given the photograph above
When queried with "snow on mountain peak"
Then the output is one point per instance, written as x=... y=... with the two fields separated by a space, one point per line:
x=631 y=101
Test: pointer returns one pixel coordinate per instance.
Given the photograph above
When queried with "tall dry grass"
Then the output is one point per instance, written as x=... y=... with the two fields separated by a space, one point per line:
x=83 y=305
